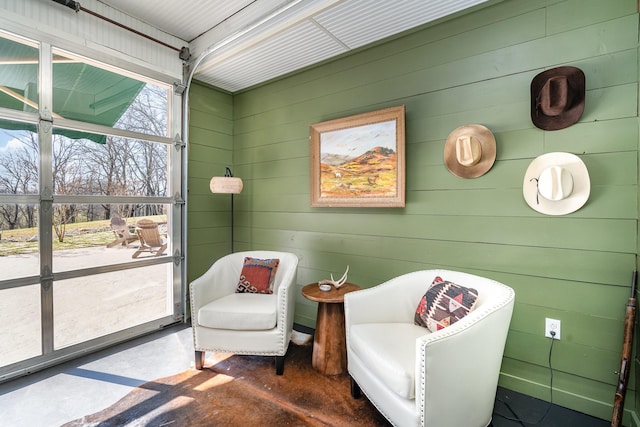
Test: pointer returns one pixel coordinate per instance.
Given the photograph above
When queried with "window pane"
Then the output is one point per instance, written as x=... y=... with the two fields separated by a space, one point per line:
x=95 y=95
x=19 y=249
x=83 y=238
x=18 y=76
x=19 y=158
x=119 y=167
x=20 y=324
x=94 y=306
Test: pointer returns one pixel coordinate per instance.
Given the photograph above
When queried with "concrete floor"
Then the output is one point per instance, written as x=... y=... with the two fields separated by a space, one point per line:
x=89 y=384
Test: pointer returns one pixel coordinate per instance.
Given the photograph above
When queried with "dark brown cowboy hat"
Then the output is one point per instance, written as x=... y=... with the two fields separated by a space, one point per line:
x=557 y=97
x=470 y=151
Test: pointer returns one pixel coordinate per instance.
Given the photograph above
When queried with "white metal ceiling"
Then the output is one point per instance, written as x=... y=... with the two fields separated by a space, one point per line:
x=252 y=41
x=185 y=19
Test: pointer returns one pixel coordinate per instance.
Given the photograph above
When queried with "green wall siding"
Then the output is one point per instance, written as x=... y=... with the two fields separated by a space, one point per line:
x=210 y=151
x=476 y=68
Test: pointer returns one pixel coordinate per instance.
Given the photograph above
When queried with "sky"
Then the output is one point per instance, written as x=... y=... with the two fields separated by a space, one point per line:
x=8 y=140
x=360 y=139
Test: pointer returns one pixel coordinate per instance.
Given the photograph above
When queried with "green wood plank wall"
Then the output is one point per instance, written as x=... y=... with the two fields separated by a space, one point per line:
x=475 y=68
x=210 y=151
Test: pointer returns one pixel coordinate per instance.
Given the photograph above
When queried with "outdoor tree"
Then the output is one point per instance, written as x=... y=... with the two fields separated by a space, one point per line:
x=82 y=167
x=68 y=179
x=147 y=161
x=109 y=166
x=19 y=175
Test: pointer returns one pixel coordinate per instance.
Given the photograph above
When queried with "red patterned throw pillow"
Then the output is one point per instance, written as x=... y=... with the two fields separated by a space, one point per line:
x=443 y=304
x=257 y=275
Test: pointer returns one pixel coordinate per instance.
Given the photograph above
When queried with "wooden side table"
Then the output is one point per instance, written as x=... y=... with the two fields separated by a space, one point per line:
x=329 y=341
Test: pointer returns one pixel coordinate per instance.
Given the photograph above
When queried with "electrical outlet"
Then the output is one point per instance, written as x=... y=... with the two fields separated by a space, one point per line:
x=552 y=325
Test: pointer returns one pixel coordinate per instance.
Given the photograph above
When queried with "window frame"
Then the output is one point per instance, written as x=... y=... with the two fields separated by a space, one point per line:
x=45 y=122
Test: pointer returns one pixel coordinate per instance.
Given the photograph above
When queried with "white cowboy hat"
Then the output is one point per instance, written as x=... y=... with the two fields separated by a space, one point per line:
x=470 y=151
x=556 y=184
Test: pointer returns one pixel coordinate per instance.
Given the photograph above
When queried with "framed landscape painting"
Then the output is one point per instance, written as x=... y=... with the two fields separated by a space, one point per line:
x=358 y=161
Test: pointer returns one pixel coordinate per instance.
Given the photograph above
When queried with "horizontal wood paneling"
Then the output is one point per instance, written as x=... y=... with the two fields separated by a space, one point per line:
x=204 y=120
x=210 y=148
x=573 y=391
x=210 y=102
x=610 y=268
x=476 y=68
x=576 y=13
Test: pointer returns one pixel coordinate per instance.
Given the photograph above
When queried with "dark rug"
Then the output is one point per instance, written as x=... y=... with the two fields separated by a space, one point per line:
x=242 y=391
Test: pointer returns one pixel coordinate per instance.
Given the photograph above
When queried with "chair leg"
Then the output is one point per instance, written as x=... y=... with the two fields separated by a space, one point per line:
x=115 y=242
x=161 y=250
x=355 y=389
x=199 y=360
x=279 y=365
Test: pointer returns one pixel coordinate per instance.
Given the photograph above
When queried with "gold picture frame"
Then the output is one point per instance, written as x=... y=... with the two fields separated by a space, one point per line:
x=359 y=161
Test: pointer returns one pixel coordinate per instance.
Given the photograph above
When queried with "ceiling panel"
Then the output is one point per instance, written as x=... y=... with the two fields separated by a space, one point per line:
x=306 y=44
x=360 y=22
x=249 y=42
x=185 y=19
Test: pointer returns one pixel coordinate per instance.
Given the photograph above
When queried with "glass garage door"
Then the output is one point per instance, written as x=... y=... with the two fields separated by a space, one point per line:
x=90 y=206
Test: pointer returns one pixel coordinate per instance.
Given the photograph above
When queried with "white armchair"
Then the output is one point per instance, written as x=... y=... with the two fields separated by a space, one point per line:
x=243 y=323
x=414 y=377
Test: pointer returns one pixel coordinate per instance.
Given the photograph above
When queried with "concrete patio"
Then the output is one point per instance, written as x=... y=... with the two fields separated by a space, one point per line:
x=85 y=307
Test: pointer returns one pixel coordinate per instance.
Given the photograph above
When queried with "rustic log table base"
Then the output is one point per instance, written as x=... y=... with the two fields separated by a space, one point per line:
x=329 y=346
x=329 y=342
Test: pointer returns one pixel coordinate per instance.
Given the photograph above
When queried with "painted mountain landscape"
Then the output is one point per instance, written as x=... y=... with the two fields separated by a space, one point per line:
x=371 y=174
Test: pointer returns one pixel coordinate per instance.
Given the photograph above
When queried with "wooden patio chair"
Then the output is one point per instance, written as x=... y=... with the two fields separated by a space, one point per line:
x=150 y=238
x=121 y=231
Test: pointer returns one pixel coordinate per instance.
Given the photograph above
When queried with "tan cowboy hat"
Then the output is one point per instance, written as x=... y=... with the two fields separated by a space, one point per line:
x=557 y=97
x=470 y=151
x=556 y=184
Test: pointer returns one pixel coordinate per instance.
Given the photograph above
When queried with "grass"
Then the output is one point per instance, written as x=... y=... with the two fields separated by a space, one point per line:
x=78 y=235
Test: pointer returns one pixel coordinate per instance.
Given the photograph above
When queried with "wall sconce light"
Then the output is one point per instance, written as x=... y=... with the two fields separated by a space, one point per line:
x=227 y=184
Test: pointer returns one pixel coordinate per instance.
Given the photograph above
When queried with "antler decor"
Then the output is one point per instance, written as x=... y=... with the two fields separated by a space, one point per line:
x=336 y=283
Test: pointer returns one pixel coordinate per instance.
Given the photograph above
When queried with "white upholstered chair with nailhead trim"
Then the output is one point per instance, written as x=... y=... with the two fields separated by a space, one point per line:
x=415 y=377
x=243 y=323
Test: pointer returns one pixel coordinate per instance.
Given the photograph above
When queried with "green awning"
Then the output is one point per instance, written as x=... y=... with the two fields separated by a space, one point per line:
x=81 y=92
